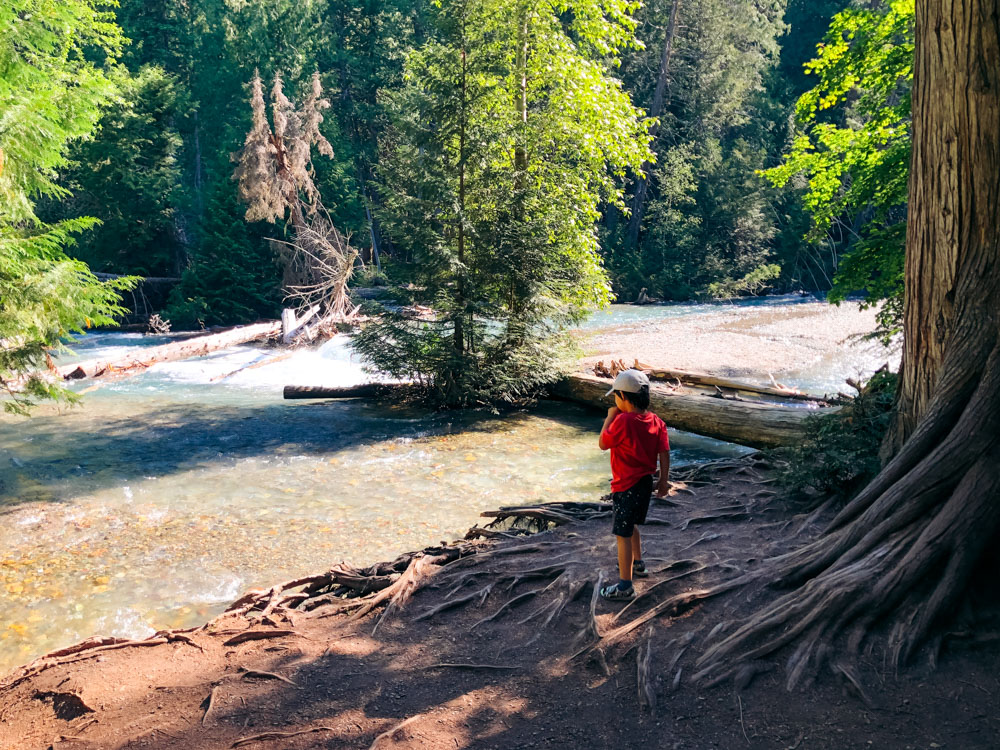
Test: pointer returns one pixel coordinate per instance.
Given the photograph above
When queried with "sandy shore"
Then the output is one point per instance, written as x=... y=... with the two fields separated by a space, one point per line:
x=749 y=342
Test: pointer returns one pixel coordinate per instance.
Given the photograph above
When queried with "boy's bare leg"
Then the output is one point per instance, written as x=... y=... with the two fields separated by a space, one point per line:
x=636 y=545
x=625 y=556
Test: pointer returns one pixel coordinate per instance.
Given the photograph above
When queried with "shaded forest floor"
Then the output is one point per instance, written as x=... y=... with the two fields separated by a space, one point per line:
x=486 y=653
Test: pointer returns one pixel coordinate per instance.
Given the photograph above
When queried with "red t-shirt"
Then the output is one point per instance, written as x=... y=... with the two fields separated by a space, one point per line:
x=635 y=440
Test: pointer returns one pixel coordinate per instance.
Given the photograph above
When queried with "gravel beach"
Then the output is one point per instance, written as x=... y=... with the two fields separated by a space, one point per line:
x=751 y=343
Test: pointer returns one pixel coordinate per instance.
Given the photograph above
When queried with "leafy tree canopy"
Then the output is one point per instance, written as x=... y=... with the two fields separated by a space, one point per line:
x=853 y=150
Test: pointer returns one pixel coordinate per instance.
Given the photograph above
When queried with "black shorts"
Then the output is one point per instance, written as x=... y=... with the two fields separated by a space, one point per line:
x=631 y=505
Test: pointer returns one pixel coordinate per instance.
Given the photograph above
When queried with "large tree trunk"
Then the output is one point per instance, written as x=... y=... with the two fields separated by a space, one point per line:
x=901 y=554
x=953 y=204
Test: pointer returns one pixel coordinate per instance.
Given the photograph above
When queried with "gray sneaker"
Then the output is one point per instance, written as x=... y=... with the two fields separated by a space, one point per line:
x=639 y=569
x=615 y=593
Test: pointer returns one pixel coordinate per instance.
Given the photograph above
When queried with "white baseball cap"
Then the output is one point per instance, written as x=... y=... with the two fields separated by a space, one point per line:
x=629 y=381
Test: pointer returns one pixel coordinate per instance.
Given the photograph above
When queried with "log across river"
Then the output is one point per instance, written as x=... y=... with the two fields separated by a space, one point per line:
x=703 y=411
x=757 y=424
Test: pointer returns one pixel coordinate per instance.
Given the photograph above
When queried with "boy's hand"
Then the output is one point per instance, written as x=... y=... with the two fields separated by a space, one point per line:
x=665 y=489
x=613 y=412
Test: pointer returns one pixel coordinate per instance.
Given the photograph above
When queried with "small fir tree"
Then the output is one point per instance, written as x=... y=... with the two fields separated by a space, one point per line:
x=234 y=275
x=506 y=139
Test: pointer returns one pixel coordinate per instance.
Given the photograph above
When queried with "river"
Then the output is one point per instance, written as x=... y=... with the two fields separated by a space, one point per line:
x=166 y=495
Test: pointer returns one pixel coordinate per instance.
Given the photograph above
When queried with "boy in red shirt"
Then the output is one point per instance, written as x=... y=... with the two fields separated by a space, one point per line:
x=636 y=438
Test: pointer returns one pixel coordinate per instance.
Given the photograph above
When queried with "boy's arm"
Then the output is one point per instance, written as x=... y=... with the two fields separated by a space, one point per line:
x=612 y=413
x=663 y=486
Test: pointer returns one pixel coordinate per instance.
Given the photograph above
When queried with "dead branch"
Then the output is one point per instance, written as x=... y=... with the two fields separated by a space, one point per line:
x=279 y=735
x=460 y=665
x=257 y=635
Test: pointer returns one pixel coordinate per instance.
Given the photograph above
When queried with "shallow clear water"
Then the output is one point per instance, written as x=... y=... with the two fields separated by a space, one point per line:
x=166 y=495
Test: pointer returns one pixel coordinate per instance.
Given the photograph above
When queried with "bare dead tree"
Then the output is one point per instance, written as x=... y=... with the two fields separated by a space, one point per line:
x=275 y=175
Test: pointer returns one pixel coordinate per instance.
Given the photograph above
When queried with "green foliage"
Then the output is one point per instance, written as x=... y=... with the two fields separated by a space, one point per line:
x=840 y=453
x=707 y=216
x=233 y=275
x=51 y=92
x=853 y=150
x=506 y=138
x=128 y=175
x=753 y=283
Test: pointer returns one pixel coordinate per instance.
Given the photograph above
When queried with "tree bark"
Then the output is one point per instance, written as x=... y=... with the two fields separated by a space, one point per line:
x=756 y=424
x=901 y=554
x=953 y=203
x=655 y=110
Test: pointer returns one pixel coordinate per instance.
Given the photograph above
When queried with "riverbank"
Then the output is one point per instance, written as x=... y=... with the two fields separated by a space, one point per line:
x=506 y=646
x=790 y=342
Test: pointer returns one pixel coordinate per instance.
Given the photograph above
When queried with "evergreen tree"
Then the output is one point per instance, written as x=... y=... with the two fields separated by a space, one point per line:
x=507 y=138
x=51 y=91
x=232 y=256
x=699 y=215
x=128 y=175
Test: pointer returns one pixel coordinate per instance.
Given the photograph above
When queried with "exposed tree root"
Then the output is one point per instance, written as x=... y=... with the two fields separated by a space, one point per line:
x=209 y=703
x=687 y=568
x=673 y=606
x=460 y=665
x=706 y=537
x=257 y=635
x=510 y=604
x=644 y=673
x=250 y=674
x=279 y=735
x=738 y=513
x=396 y=595
x=481 y=595
x=89 y=649
x=390 y=733
x=902 y=551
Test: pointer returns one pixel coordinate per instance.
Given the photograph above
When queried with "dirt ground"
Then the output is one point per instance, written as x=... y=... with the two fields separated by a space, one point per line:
x=745 y=342
x=507 y=647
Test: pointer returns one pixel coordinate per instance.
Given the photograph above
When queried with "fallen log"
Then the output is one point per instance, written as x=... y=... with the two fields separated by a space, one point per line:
x=685 y=377
x=138 y=360
x=365 y=390
x=700 y=378
x=755 y=424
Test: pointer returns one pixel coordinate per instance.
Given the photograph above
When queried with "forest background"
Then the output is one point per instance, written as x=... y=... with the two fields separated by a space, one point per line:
x=157 y=171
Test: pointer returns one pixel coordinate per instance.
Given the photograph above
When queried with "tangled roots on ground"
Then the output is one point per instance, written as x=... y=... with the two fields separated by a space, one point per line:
x=899 y=556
